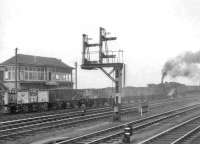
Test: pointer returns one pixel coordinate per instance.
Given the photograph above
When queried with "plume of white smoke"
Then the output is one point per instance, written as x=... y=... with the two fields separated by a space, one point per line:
x=185 y=65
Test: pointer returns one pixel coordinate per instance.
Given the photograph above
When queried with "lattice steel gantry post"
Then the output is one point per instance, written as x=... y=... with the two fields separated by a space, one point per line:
x=105 y=59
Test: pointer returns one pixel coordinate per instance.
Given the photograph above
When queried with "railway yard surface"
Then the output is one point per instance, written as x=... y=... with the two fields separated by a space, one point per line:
x=72 y=126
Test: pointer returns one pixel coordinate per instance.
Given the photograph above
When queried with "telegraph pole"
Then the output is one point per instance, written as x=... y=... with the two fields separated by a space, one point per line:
x=16 y=66
x=76 y=70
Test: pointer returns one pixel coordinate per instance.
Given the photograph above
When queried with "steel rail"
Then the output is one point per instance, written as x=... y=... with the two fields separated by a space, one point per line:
x=51 y=115
x=69 y=121
x=187 y=136
x=49 y=118
x=33 y=120
x=174 y=134
x=118 y=130
x=9 y=123
x=34 y=127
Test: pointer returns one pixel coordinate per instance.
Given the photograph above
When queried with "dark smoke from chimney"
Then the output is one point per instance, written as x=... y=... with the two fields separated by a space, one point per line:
x=163 y=76
x=185 y=65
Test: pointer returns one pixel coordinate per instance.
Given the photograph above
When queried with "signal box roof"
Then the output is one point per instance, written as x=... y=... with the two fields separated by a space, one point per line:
x=36 y=61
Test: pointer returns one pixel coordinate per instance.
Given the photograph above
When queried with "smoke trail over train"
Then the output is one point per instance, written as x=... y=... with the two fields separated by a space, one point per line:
x=184 y=65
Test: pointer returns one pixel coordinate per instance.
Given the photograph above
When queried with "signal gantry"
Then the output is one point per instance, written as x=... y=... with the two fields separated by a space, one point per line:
x=102 y=59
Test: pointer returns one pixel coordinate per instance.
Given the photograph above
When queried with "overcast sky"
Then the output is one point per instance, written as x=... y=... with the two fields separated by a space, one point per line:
x=149 y=31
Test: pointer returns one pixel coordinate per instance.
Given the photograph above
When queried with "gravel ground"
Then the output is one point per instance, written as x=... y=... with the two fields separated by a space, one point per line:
x=195 y=140
x=161 y=126
x=77 y=130
x=6 y=117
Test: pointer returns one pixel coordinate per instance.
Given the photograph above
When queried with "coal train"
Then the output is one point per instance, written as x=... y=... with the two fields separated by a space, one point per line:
x=43 y=100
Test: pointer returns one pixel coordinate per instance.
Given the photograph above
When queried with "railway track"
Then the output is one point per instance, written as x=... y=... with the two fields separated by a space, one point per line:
x=27 y=125
x=188 y=137
x=26 y=121
x=114 y=134
x=63 y=114
x=178 y=134
x=21 y=117
x=8 y=129
x=13 y=128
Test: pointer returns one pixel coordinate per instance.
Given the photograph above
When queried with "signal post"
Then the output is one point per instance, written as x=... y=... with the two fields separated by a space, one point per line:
x=104 y=59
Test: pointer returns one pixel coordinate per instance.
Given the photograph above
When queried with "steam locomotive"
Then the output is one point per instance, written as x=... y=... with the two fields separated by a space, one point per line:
x=43 y=100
